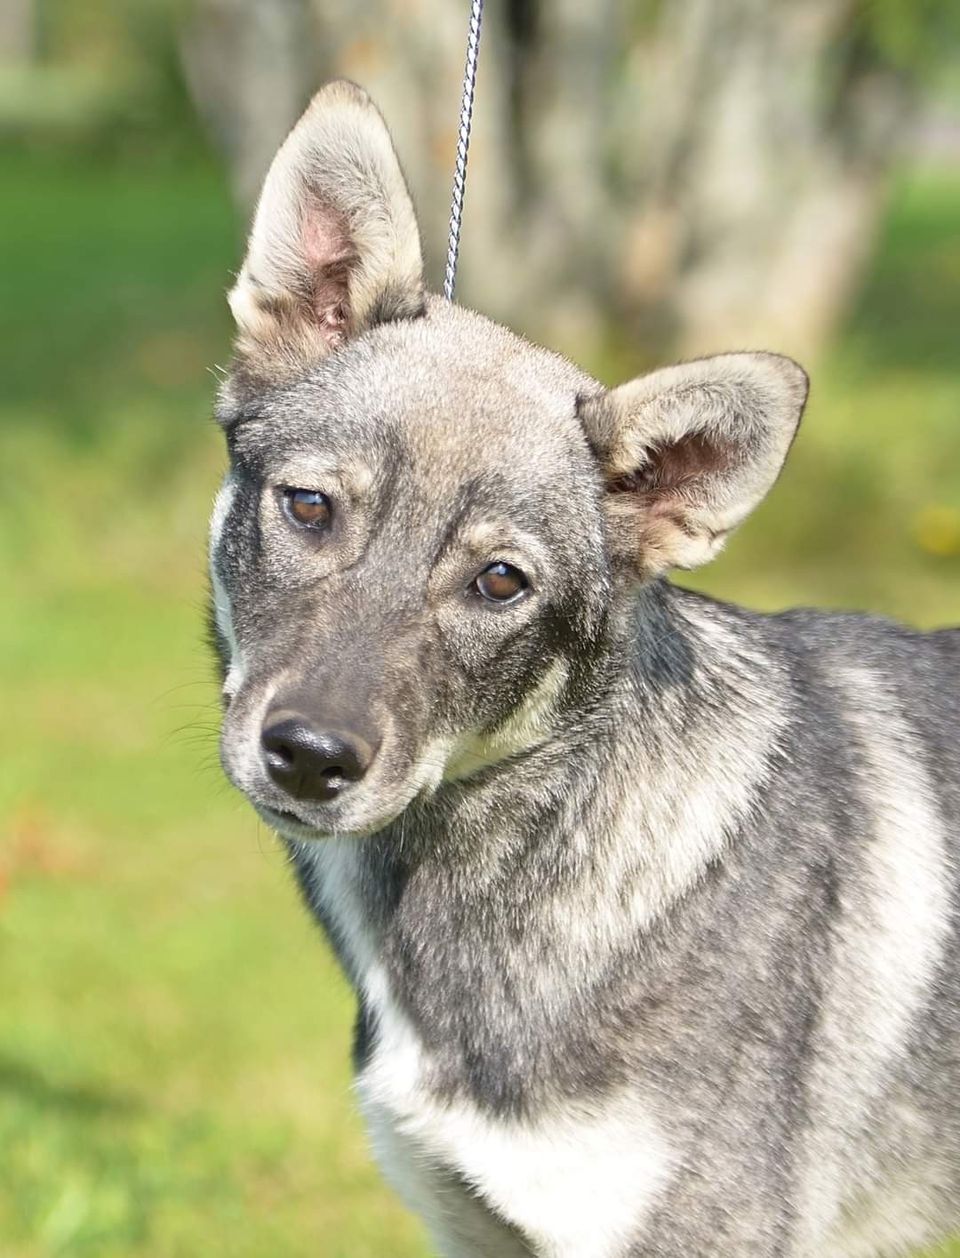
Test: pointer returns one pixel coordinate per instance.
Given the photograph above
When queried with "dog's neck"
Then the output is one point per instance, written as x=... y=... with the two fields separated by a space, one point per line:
x=534 y=873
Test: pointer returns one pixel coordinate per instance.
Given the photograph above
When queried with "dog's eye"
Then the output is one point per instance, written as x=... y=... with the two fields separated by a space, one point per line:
x=307 y=507
x=501 y=583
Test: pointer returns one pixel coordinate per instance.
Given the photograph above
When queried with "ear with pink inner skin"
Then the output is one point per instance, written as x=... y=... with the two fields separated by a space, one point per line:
x=687 y=452
x=334 y=247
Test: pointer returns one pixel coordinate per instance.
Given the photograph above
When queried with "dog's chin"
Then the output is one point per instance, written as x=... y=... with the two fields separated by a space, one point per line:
x=291 y=825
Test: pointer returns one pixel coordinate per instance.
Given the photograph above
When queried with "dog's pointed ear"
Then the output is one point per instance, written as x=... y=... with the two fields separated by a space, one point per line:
x=687 y=452
x=334 y=246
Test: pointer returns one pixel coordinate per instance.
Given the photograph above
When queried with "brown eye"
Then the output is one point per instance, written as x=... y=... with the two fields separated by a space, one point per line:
x=307 y=507
x=501 y=583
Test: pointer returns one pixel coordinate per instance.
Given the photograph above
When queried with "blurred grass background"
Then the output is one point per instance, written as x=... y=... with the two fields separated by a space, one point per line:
x=173 y=1033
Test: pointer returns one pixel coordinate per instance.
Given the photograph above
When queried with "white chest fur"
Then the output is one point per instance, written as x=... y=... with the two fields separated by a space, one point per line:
x=577 y=1182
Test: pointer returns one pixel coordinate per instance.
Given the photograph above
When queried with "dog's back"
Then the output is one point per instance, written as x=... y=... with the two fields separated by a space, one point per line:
x=827 y=950
x=887 y=1085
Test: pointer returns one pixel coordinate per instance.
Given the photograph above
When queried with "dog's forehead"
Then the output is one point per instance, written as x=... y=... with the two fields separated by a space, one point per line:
x=461 y=378
x=452 y=393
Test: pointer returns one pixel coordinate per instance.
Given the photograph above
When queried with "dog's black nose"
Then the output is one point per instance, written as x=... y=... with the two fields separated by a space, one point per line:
x=309 y=763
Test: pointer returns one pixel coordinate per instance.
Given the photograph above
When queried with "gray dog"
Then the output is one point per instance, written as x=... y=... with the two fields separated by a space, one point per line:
x=650 y=903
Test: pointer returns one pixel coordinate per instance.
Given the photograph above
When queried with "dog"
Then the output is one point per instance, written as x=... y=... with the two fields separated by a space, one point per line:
x=650 y=902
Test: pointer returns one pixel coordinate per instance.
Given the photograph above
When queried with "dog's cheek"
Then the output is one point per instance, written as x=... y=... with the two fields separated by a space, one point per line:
x=501 y=672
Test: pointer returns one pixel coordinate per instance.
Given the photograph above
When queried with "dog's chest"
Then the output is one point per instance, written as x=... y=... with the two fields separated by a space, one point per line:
x=576 y=1182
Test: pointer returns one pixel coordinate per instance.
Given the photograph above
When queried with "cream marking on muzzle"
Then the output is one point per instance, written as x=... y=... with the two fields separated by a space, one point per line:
x=885 y=953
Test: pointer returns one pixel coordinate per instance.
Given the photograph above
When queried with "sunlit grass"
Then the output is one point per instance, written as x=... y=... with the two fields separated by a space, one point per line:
x=174 y=1039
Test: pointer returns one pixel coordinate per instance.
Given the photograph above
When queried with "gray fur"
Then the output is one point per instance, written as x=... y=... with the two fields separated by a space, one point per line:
x=651 y=903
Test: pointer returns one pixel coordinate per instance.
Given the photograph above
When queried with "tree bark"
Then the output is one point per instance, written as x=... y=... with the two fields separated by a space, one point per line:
x=762 y=187
x=247 y=64
x=18 y=32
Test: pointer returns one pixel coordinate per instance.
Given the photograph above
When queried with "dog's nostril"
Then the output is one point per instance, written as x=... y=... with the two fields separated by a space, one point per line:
x=280 y=757
x=309 y=763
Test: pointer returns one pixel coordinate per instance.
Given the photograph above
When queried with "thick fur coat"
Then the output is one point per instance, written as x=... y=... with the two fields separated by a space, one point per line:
x=651 y=904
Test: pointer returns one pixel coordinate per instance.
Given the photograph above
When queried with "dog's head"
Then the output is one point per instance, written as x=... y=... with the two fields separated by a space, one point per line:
x=427 y=521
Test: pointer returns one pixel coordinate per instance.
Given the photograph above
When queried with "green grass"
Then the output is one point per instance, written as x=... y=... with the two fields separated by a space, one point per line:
x=173 y=1045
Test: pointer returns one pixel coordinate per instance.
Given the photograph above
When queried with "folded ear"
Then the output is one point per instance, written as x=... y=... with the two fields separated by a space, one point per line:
x=689 y=451
x=334 y=246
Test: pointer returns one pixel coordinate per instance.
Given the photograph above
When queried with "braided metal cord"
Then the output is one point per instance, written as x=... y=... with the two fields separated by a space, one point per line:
x=463 y=146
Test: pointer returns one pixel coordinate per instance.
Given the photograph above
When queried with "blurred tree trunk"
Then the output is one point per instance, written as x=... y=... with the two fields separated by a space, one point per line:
x=761 y=178
x=708 y=173
x=247 y=65
x=18 y=32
